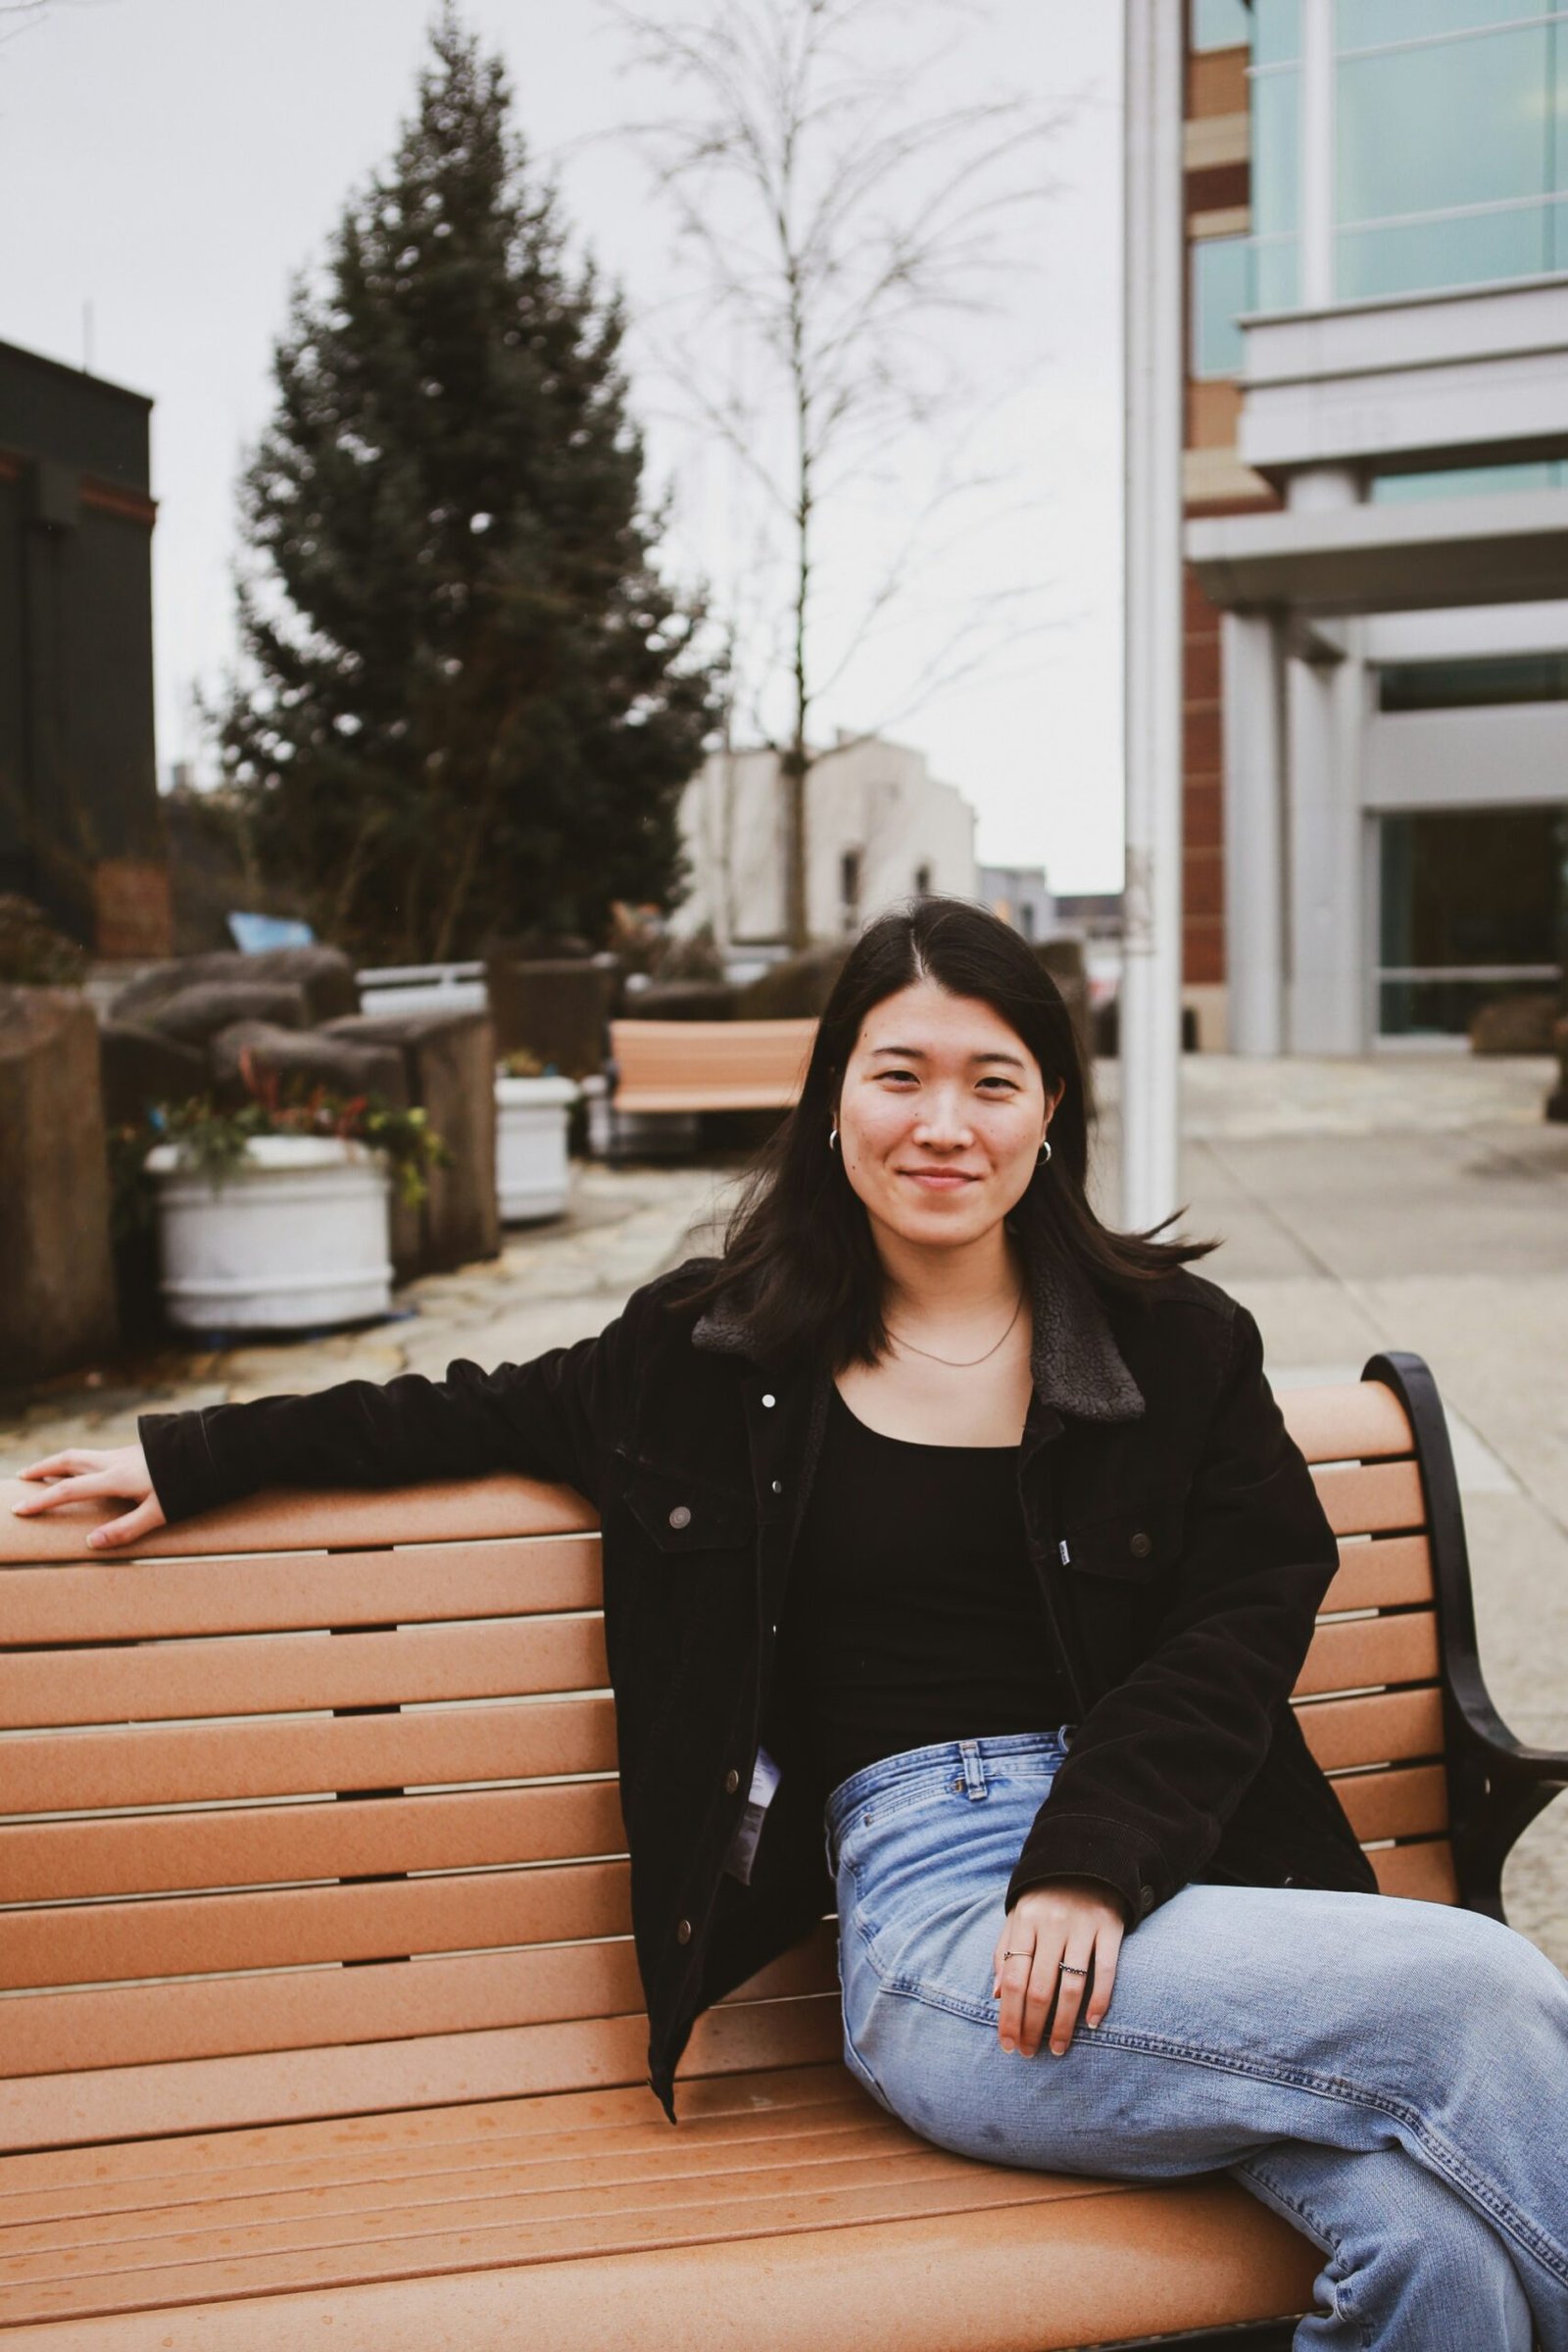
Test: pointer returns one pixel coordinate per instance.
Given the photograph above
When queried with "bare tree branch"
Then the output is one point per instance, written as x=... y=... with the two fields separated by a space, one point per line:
x=832 y=219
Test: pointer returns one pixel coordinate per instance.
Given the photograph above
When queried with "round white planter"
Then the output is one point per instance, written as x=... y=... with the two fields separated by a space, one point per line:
x=294 y=1238
x=533 y=1175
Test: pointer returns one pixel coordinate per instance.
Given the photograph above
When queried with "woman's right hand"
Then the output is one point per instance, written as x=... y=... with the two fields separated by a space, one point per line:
x=80 y=1476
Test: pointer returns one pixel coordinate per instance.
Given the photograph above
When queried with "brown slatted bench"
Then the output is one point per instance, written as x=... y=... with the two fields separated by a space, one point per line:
x=319 y=2022
x=659 y=1066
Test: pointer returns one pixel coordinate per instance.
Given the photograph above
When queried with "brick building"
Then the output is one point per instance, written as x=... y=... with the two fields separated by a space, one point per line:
x=80 y=831
x=1376 y=485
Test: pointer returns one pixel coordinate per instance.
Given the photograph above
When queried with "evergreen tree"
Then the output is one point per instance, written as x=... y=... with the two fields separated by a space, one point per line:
x=472 y=700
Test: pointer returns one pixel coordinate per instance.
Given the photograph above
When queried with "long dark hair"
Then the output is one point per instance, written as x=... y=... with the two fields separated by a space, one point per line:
x=799 y=1264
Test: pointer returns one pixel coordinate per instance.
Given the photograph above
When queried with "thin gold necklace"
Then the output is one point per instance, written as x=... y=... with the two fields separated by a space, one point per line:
x=965 y=1364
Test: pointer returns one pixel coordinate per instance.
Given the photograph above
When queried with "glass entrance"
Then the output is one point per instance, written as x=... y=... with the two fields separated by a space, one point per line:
x=1472 y=908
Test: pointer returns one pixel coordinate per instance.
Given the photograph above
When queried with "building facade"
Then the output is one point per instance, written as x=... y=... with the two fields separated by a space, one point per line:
x=1376 y=755
x=1023 y=897
x=879 y=827
x=80 y=833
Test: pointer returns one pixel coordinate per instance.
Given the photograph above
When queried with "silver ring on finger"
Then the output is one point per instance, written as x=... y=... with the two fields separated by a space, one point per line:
x=1065 y=1971
x=1018 y=1956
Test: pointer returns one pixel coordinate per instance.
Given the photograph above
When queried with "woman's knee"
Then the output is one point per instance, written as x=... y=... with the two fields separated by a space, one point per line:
x=1409 y=2259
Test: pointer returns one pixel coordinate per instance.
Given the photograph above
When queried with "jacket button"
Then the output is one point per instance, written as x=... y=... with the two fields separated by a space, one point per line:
x=778 y=1485
x=1146 y=1901
x=683 y=1931
x=1140 y=1546
x=680 y=1516
x=770 y=1400
x=732 y=1781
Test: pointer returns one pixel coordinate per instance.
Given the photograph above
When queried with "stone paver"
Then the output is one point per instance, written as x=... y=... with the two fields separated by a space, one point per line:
x=1400 y=1202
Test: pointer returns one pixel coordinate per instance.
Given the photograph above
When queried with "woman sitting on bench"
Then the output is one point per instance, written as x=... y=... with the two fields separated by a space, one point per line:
x=936 y=1511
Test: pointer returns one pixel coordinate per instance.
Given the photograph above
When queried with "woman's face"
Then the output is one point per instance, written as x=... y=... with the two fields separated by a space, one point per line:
x=941 y=1117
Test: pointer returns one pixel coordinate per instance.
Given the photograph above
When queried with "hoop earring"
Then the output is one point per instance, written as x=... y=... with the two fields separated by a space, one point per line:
x=833 y=1139
x=1044 y=1154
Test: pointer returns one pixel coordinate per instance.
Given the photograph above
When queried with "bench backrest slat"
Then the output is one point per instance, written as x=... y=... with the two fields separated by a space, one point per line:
x=709 y=1065
x=341 y=1769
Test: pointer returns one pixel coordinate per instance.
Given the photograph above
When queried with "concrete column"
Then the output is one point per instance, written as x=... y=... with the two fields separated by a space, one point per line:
x=1150 y=992
x=1317 y=154
x=1327 y=1008
x=1255 y=802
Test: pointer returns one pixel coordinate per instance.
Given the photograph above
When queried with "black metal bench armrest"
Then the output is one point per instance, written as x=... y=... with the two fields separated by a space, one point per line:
x=1498 y=1782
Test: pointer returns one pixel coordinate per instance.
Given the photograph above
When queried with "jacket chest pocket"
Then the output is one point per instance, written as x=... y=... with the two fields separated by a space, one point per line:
x=686 y=1517
x=1128 y=1547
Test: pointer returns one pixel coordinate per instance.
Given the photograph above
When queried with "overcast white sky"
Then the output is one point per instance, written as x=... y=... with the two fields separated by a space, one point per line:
x=173 y=162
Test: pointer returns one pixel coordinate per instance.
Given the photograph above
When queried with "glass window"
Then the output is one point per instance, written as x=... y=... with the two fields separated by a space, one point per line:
x=1457 y=123
x=1276 y=154
x=1221 y=25
x=1460 y=248
x=1220 y=293
x=1367 y=24
x=1474 y=685
x=1276 y=31
x=1465 y=898
x=1469 y=481
x=1276 y=274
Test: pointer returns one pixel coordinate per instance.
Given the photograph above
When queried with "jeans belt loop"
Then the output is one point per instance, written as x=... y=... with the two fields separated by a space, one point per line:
x=974 y=1770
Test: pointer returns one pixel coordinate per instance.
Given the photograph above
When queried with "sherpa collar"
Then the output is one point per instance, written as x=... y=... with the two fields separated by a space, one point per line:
x=1075 y=1364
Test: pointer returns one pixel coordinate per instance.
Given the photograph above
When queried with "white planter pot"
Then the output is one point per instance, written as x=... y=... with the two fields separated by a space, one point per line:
x=533 y=1174
x=637 y=1134
x=296 y=1237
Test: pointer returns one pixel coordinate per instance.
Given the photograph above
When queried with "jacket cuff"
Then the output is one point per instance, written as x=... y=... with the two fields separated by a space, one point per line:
x=180 y=1463
x=1078 y=1845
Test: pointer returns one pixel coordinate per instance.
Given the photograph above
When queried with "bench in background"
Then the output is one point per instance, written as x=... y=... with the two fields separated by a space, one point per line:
x=664 y=1067
x=323 y=2024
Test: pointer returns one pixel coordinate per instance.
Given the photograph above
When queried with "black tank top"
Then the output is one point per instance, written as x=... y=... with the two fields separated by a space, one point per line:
x=914 y=1614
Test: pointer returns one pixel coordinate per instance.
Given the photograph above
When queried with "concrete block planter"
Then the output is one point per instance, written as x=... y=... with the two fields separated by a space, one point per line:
x=296 y=1237
x=533 y=1174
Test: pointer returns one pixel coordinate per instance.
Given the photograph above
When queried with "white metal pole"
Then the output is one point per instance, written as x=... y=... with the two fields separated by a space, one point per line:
x=1150 y=992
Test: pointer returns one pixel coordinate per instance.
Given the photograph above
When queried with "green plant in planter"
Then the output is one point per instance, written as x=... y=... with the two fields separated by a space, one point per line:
x=212 y=1140
x=522 y=1064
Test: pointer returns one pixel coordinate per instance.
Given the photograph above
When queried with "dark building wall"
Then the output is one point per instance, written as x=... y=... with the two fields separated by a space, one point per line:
x=81 y=831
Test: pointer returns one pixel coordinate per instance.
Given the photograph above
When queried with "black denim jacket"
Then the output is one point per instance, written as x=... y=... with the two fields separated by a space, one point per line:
x=1180 y=1548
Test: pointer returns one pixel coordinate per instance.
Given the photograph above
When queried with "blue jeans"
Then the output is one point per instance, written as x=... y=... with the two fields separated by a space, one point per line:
x=1390 y=2075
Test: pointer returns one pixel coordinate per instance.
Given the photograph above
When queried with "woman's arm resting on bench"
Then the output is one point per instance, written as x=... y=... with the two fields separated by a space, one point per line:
x=537 y=1418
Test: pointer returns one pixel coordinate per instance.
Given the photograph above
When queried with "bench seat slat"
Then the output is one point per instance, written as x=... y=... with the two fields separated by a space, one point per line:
x=1358 y=1652
x=1423 y=1870
x=70 y=2180
x=1408 y=1803
x=475 y=2240
x=275 y=1673
x=548 y=2215
x=147 y=1764
x=1395 y=1572
x=145 y=2025
x=1356 y=1420
x=1384 y=1727
x=161 y=2224
x=293 y=1927
x=1371 y=1498
x=277 y=1844
x=147 y=1600
x=1047 y=2273
x=208 y=2094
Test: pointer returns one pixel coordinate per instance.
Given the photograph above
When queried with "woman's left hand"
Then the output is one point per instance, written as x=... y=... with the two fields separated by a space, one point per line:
x=1067 y=1935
